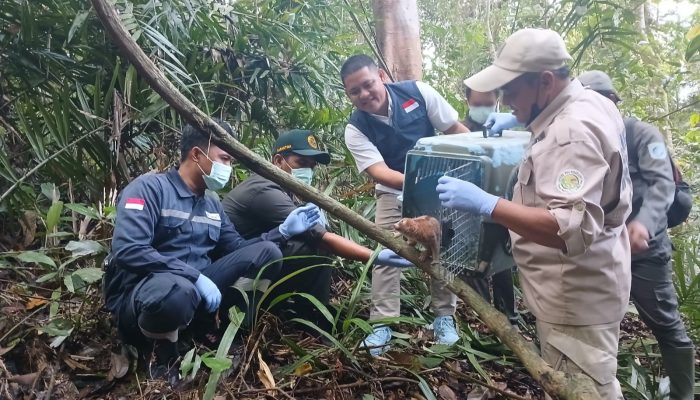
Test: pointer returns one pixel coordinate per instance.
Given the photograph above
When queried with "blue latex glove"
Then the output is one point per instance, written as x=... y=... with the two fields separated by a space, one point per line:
x=465 y=196
x=498 y=122
x=322 y=220
x=390 y=259
x=209 y=293
x=300 y=220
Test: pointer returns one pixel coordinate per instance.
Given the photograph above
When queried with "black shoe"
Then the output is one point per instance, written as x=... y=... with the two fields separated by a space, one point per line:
x=163 y=361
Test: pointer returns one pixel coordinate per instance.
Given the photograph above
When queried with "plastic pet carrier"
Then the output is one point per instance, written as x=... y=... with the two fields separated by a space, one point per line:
x=470 y=243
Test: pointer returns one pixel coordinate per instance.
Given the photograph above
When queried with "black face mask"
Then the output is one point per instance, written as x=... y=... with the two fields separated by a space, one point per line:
x=535 y=109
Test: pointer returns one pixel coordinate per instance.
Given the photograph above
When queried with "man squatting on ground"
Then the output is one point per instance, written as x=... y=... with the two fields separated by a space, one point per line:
x=174 y=251
x=257 y=205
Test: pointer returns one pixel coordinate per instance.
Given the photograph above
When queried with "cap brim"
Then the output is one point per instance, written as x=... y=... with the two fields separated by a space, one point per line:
x=320 y=156
x=490 y=79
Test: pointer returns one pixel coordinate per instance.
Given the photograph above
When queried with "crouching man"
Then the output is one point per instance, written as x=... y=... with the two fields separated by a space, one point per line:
x=175 y=254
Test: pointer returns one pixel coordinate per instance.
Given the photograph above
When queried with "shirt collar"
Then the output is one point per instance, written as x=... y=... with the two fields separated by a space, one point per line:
x=176 y=180
x=570 y=93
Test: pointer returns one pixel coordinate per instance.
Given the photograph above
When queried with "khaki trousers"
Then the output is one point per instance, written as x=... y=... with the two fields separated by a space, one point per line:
x=587 y=349
x=386 y=281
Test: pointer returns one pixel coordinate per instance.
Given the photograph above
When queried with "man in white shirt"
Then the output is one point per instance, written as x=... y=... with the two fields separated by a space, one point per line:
x=388 y=121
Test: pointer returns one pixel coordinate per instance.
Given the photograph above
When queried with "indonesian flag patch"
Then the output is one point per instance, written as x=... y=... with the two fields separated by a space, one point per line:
x=409 y=105
x=133 y=203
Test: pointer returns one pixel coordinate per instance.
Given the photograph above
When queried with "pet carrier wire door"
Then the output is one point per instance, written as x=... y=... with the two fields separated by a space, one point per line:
x=460 y=232
x=470 y=245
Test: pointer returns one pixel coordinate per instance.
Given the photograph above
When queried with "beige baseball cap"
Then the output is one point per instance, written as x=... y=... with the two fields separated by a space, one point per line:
x=527 y=50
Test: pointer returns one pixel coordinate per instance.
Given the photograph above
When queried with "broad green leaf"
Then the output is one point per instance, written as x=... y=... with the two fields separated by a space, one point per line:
x=693 y=37
x=89 y=275
x=430 y=362
x=46 y=277
x=187 y=363
x=53 y=216
x=58 y=327
x=55 y=297
x=84 y=248
x=217 y=364
x=69 y=282
x=83 y=210
x=35 y=257
x=50 y=191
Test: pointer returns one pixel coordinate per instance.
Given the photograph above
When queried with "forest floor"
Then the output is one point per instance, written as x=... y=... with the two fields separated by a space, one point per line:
x=87 y=363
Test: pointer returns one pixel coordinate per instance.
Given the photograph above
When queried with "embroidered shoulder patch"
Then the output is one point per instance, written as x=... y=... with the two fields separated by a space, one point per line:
x=570 y=181
x=657 y=150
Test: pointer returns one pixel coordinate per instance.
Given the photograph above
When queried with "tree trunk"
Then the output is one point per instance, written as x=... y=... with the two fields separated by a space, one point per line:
x=398 y=35
x=565 y=386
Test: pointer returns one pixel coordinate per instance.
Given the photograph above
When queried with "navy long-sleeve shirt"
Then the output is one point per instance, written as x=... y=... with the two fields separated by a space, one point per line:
x=162 y=226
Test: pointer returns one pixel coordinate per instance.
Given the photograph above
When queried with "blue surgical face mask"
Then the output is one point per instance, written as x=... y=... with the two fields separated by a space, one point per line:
x=218 y=176
x=480 y=114
x=305 y=175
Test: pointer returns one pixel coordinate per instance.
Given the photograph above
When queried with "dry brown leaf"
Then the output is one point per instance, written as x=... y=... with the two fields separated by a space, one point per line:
x=303 y=369
x=28 y=222
x=24 y=380
x=75 y=364
x=403 y=359
x=35 y=302
x=265 y=374
x=119 y=366
x=481 y=393
x=446 y=393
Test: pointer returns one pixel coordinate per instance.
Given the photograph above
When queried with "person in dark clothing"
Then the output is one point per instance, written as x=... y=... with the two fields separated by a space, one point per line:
x=652 y=292
x=175 y=254
x=257 y=204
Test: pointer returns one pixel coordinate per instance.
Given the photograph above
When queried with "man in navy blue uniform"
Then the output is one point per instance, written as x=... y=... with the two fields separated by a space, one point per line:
x=175 y=251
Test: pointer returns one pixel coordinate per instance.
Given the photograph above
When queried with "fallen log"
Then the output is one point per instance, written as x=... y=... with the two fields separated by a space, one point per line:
x=558 y=384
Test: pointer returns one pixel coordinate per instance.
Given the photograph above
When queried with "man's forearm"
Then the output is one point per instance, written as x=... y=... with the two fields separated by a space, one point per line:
x=381 y=173
x=535 y=224
x=345 y=248
x=458 y=127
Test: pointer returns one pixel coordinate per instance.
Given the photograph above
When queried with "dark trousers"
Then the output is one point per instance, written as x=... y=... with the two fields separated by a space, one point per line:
x=316 y=281
x=503 y=293
x=172 y=302
x=655 y=298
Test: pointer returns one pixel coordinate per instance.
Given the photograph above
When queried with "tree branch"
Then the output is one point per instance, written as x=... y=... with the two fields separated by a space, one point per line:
x=554 y=382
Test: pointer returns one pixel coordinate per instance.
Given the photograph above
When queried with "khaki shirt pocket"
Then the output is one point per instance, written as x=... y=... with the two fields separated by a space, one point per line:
x=524 y=192
x=594 y=362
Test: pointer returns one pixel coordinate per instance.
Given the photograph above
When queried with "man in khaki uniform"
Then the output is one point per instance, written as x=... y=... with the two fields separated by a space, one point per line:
x=567 y=217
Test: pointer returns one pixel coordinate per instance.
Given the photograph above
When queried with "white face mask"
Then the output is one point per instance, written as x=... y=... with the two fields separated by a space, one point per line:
x=480 y=114
x=218 y=176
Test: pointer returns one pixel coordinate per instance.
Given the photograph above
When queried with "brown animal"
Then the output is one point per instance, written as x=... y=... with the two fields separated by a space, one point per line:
x=424 y=230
